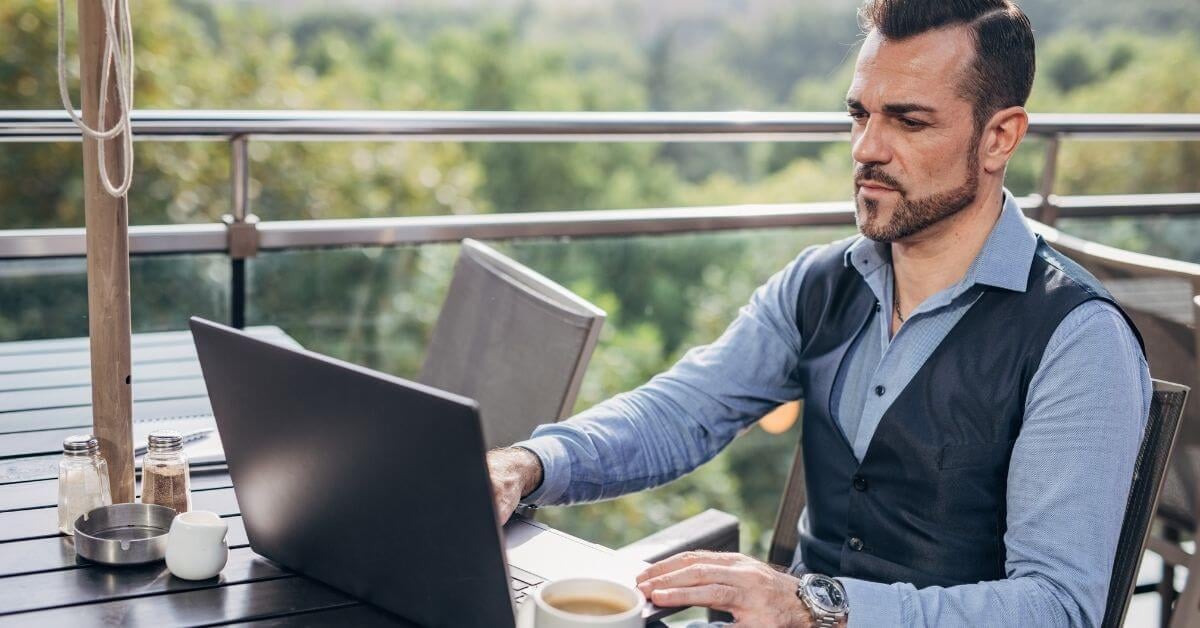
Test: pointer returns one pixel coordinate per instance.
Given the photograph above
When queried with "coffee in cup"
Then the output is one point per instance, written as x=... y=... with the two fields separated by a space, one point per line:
x=587 y=603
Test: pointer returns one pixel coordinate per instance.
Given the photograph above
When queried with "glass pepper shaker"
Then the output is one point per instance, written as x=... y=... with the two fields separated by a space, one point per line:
x=165 y=473
x=82 y=480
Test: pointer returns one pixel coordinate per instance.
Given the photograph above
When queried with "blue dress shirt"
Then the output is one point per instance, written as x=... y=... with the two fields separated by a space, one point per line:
x=1071 y=466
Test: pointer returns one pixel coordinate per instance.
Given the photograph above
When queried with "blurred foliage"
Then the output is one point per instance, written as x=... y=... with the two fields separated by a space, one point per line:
x=663 y=294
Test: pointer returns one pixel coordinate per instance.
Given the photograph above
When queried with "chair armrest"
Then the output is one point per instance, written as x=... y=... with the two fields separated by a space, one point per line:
x=1171 y=553
x=710 y=530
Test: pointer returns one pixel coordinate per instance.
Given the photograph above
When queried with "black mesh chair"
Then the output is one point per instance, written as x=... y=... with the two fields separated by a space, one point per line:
x=1179 y=490
x=512 y=340
x=1162 y=428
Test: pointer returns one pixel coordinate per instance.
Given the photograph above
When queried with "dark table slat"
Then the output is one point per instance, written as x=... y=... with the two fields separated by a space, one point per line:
x=73 y=419
x=98 y=584
x=358 y=616
x=141 y=339
x=25 y=495
x=25 y=557
x=40 y=468
x=38 y=362
x=58 y=345
x=44 y=493
x=36 y=523
x=82 y=376
x=58 y=357
x=253 y=600
x=43 y=442
x=26 y=469
x=80 y=396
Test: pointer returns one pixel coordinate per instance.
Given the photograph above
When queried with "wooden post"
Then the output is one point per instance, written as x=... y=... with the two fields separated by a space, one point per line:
x=107 y=221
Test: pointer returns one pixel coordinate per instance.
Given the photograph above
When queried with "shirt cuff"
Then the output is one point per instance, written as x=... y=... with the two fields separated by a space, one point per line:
x=871 y=604
x=556 y=470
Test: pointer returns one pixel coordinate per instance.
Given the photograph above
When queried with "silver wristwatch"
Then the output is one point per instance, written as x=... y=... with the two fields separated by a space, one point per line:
x=824 y=597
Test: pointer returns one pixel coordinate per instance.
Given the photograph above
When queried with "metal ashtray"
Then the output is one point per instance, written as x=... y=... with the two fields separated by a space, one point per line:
x=124 y=534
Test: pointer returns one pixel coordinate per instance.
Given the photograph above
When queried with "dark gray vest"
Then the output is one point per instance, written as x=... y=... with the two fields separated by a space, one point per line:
x=927 y=504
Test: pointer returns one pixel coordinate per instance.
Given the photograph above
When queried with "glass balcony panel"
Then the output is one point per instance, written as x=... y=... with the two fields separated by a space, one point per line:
x=43 y=185
x=175 y=182
x=291 y=181
x=1127 y=167
x=1174 y=237
x=47 y=298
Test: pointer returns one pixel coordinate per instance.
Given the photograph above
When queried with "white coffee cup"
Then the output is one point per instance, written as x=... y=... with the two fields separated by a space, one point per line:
x=196 y=548
x=550 y=598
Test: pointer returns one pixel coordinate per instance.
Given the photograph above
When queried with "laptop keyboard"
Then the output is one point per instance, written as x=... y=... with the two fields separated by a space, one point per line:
x=523 y=584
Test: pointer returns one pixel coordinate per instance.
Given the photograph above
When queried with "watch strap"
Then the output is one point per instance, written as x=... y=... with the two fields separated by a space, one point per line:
x=824 y=621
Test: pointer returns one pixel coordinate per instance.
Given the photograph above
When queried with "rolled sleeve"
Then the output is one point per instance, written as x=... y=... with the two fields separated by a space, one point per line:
x=556 y=469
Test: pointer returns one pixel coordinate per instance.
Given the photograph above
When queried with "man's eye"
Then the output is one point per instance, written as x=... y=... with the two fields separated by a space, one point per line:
x=858 y=116
x=909 y=123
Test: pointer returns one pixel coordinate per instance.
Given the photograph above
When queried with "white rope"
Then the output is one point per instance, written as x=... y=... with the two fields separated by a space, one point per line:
x=118 y=53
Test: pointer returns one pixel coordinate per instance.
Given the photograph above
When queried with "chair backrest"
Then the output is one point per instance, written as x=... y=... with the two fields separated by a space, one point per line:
x=795 y=496
x=513 y=340
x=1158 y=440
x=1157 y=294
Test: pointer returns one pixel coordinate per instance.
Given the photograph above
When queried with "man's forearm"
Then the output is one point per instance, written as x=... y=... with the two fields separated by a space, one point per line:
x=619 y=447
x=530 y=466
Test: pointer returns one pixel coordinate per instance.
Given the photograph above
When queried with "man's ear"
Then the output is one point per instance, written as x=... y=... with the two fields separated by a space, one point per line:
x=1001 y=136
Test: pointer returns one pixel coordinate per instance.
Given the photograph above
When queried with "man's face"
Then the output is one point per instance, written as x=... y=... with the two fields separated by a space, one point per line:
x=913 y=138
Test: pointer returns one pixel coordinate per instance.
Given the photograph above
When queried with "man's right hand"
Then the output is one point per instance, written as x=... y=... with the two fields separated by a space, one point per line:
x=515 y=473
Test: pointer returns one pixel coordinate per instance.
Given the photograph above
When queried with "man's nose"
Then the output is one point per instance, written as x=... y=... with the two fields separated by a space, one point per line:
x=869 y=144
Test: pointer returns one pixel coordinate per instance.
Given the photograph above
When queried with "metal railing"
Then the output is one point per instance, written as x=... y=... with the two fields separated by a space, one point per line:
x=53 y=125
x=241 y=234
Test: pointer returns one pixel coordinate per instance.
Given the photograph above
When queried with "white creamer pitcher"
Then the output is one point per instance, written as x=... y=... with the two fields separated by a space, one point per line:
x=196 y=548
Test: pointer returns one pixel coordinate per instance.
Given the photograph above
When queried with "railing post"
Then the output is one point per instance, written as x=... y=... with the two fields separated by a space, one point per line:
x=242 y=229
x=1048 y=212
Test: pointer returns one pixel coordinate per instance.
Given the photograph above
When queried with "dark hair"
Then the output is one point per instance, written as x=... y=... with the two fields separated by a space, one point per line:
x=1002 y=73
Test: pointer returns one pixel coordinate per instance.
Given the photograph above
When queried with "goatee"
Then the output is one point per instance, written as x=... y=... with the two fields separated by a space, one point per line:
x=911 y=215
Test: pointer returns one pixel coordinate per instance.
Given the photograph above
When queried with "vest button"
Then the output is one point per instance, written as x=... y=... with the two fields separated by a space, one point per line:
x=879 y=390
x=860 y=483
x=856 y=544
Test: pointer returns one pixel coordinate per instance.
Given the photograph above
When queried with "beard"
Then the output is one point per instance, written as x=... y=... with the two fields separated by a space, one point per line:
x=912 y=215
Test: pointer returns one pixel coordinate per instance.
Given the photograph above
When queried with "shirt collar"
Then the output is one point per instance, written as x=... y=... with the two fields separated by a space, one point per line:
x=1003 y=262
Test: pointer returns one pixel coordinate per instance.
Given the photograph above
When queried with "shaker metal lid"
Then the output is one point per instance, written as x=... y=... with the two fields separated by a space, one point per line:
x=81 y=443
x=161 y=440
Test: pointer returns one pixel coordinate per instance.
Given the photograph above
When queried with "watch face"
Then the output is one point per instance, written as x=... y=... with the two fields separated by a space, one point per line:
x=826 y=593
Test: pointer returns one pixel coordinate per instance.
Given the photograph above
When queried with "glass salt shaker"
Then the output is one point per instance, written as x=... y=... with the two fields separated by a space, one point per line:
x=82 y=480
x=165 y=472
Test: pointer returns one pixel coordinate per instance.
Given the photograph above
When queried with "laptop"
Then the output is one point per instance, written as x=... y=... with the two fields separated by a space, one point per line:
x=378 y=486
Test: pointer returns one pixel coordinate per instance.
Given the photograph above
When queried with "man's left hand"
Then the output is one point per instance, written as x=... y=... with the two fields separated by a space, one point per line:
x=752 y=591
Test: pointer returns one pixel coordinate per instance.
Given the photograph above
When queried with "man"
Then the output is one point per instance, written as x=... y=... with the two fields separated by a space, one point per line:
x=973 y=402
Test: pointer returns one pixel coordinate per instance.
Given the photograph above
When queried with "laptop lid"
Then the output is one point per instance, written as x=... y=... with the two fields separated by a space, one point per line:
x=367 y=482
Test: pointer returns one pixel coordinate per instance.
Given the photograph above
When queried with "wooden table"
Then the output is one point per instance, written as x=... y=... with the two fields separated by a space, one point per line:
x=44 y=396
